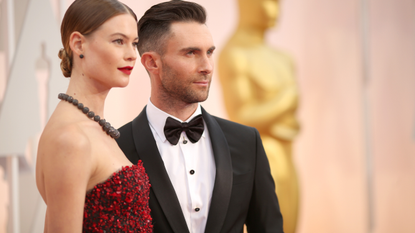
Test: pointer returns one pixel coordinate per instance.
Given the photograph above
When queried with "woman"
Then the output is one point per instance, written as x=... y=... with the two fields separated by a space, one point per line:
x=84 y=178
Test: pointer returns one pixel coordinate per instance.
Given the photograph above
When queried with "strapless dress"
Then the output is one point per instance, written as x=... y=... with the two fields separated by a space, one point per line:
x=119 y=204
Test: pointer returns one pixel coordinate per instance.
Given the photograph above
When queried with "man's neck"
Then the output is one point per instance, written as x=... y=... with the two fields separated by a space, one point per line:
x=180 y=110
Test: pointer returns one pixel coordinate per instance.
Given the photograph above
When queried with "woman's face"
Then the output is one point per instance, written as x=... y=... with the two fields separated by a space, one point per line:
x=110 y=52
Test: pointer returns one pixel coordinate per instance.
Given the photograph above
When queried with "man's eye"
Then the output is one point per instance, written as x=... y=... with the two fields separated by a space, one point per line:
x=119 y=41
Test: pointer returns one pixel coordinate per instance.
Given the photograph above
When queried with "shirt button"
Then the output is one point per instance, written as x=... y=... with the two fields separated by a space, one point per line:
x=185 y=142
x=192 y=172
x=197 y=209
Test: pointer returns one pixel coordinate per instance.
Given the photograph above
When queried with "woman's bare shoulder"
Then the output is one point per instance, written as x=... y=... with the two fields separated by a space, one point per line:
x=60 y=137
x=64 y=141
x=64 y=157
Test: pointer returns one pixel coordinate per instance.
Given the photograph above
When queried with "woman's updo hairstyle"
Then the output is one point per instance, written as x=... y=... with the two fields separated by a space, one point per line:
x=85 y=16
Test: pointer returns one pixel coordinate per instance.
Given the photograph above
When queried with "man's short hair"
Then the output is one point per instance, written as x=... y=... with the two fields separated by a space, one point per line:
x=154 y=26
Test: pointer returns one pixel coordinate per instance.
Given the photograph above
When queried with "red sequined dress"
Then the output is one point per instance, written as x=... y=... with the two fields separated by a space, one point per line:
x=120 y=204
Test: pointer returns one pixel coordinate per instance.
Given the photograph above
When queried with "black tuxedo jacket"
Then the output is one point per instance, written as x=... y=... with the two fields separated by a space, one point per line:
x=243 y=193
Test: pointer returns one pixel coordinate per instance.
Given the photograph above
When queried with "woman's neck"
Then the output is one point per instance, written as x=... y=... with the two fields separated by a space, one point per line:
x=87 y=92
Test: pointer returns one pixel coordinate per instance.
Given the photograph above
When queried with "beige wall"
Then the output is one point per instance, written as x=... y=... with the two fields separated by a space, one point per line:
x=344 y=118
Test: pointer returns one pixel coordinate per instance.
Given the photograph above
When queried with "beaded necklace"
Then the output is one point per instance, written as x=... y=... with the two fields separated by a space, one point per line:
x=106 y=126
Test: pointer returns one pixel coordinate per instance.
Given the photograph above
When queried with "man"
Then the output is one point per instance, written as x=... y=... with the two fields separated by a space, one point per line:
x=212 y=175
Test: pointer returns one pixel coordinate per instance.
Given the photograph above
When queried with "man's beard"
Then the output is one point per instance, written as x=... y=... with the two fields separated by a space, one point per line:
x=182 y=90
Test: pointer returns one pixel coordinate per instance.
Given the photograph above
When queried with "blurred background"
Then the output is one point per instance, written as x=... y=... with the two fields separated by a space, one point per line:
x=355 y=70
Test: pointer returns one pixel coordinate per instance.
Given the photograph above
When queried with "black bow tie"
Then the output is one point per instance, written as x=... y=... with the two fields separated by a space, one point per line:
x=193 y=129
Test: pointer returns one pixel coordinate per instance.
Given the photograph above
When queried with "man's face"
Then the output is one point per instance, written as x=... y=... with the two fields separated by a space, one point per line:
x=187 y=64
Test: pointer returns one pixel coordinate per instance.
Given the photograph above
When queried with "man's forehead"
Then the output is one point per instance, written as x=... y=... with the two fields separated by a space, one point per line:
x=190 y=34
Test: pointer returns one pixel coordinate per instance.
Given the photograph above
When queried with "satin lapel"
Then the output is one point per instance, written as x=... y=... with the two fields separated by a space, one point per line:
x=224 y=175
x=159 y=179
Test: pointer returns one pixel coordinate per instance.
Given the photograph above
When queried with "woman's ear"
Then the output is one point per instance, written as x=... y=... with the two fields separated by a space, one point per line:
x=151 y=61
x=76 y=42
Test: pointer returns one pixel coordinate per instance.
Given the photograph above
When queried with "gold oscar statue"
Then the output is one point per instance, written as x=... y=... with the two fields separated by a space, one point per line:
x=259 y=90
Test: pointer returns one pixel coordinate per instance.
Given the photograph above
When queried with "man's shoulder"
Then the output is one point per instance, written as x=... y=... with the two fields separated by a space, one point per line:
x=224 y=121
x=229 y=126
x=237 y=135
x=127 y=126
x=126 y=135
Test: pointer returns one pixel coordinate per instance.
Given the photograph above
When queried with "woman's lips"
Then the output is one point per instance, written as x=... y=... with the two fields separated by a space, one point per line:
x=126 y=69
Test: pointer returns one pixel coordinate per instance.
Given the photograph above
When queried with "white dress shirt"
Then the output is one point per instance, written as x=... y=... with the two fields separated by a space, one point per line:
x=190 y=166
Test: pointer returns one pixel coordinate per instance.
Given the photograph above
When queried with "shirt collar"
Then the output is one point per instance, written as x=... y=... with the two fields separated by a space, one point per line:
x=157 y=118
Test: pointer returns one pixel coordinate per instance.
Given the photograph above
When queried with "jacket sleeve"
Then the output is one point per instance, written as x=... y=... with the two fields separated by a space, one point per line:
x=264 y=213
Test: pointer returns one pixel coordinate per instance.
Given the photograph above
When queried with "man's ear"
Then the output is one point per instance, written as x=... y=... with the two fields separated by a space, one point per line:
x=151 y=61
x=76 y=43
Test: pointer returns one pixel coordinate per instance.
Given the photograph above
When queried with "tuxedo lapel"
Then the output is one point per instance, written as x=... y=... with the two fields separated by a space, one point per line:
x=224 y=175
x=159 y=179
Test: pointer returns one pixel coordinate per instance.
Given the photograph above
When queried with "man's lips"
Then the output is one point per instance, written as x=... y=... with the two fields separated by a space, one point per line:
x=126 y=69
x=203 y=82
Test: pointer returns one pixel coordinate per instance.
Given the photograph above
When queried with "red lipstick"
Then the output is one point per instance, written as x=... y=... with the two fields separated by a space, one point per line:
x=126 y=69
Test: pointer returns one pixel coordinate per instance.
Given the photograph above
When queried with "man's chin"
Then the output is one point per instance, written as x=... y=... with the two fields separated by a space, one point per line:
x=204 y=99
x=197 y=100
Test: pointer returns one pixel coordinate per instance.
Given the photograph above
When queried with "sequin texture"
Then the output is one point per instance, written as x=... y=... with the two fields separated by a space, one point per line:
x=120 y=204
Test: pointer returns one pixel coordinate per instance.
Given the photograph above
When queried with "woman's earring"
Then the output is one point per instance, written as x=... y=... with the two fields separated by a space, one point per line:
x=81 y=56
